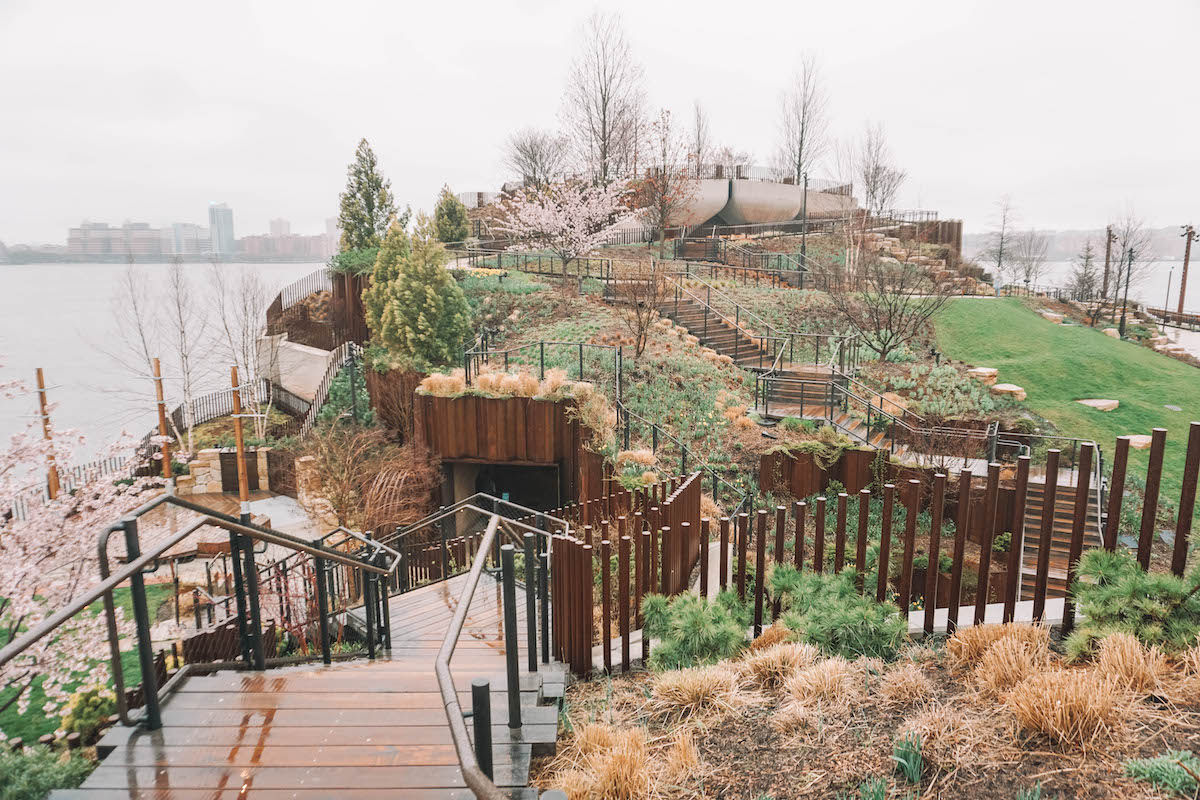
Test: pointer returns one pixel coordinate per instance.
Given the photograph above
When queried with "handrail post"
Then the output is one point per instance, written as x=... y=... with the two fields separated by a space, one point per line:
x=250 y=574
x=481 y=720
x=510 y=636
x=239 y=588
x=320 y=568
x=531 y=599
x=544 y=597
x=369 y=612
x=141 y=616
x=385 y=613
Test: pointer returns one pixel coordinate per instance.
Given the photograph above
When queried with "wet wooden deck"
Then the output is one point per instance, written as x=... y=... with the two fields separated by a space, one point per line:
x=354 y=729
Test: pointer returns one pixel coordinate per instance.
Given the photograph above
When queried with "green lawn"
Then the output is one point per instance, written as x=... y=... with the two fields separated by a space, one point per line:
x=1059 y=364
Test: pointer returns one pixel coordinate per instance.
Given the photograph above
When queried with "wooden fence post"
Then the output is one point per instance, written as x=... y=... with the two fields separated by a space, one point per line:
x=989 y=535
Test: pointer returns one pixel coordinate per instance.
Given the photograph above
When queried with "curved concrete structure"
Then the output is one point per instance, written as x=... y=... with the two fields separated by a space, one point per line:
x=748 y=202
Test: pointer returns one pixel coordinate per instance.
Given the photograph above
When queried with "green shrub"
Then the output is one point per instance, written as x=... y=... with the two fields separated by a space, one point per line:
x=693 y=631
x=35 y=772
x=1002 y=542
x=340 y=401
x=1116 y=595
x=828 y=611
x=1167 y=771
x=87 y=710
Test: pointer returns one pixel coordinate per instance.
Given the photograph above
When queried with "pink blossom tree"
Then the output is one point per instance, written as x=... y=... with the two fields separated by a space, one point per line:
x=569 y=218
x=48 y=558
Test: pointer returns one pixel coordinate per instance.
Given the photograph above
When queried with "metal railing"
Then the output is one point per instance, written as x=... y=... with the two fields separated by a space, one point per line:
x=243 y=535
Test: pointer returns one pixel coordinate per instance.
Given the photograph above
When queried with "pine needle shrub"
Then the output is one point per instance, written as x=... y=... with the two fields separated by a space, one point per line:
x=1173 y=771
x=450 y=218
x=692 y=630
x=1116 y=595
x=37 y=771
x=827 y=610
x=386 y=269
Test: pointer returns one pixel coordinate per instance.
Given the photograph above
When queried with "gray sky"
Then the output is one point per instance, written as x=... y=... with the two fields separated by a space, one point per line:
x=148 y=110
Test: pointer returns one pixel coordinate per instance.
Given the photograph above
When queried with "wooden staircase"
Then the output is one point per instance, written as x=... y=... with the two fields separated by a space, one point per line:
x=352 y=729
x=715 y=332
x=1060 y=536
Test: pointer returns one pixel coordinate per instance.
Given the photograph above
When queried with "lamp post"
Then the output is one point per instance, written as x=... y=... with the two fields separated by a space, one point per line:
x=1167 y=302
x=1189 y=233
x=1125 y=302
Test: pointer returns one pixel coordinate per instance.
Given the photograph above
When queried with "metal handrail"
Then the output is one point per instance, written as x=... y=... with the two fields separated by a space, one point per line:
x=469 y=503
x=477 y=781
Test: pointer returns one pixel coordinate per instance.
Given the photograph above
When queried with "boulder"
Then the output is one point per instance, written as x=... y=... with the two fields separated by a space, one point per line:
x=1099 y=404
x=985 y=374
x=1113 y=332
x=1139 y=441
x=1009 y=390
x=1052 y=317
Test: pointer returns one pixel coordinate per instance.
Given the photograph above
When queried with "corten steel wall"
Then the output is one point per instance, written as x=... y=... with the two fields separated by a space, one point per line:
x=349 y=317
x=510 y=430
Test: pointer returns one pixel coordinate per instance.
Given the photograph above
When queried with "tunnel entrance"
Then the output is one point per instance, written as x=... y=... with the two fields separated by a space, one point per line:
x=535 y=487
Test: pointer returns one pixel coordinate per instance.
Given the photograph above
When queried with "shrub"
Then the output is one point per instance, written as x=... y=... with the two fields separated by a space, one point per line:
x=37 y=771
x=87 y=710
x=1116 y=595
x=1167 y=771
x=692 y=630
x=828 y=611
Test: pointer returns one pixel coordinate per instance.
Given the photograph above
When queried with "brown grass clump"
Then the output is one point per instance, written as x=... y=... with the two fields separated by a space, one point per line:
x=697 y=692
x=831 y=682
x=592 y=737
x=734 y=412
x=743 y=424
x=441 y=385
x=643 y=458
x=951 y=738
x=770 y=668
x=793 y=717
x=1133 y=666
x=1006 y=663
x=710 y=509
x=623 y=772
x=1191 y=660
x=905 y=685
x=967 y=646
x=520 y=384
x=682 y=759
x=775 y=634
x=1074 y=708
x=555 y=383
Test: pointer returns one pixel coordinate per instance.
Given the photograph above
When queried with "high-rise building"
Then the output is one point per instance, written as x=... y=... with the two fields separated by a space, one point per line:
x=335 y=235
x=185 y=239
x=280 y=227
x=220 y=224
x=133 y=239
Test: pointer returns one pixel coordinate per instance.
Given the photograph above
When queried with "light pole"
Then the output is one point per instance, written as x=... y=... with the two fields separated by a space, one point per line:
x=1125 y=302
x=1189 y=233
x=1167 y=302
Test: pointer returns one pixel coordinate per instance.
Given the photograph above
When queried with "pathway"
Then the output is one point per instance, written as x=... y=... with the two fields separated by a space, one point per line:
x=361 y=728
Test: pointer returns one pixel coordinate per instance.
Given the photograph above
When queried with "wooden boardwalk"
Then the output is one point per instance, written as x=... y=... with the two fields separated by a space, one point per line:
x=353 y=729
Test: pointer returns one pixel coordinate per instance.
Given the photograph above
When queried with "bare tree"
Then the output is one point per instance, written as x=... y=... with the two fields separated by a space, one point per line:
x=1085 y=278
x=640 y=289
x=888 y=303
x=604 y=101
x=700 y=148
x=186 y=329
x=802 y=122
x=1000 y=246
x=1029 y=255
x=666 y=193
x=1134 y=257
x=878 y=179
x=134 y=342
x=240 y=304
x=539 y=157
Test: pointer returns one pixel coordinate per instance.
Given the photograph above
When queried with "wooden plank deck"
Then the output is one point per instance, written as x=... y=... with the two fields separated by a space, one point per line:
x=352 y=729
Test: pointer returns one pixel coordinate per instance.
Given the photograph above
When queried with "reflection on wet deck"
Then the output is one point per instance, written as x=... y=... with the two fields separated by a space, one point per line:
x=348 y=730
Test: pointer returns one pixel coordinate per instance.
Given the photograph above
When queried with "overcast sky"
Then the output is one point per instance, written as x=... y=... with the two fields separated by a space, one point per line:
x=147 y=111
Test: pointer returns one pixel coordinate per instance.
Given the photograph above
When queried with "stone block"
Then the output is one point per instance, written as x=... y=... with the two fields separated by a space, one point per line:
x=213 y=487
x=986 y=374
x=1139 y=441
x=1052 y=317
x=1100 y=404
x=1113 y=332
x=1008 y=390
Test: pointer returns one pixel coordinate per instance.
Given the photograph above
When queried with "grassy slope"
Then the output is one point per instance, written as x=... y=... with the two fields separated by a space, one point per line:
x=1059 y=364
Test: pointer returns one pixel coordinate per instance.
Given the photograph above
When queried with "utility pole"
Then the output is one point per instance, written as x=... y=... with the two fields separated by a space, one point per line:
x=1125 y=302
x=162 y=420
x=51 y=469
x=1109 y=238
x=1189 y=233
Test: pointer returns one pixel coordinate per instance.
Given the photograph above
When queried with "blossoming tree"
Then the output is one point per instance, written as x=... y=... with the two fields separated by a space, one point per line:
x=48 y=558
x=569 y=219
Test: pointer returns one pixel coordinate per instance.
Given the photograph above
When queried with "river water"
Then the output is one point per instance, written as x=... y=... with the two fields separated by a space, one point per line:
x=60 y=317
x=1151 y=288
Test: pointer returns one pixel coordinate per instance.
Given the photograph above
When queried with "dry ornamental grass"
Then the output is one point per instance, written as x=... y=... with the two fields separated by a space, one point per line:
x=769 y=668
x=1132 y=666
x=968 y=645
x=1074 y=708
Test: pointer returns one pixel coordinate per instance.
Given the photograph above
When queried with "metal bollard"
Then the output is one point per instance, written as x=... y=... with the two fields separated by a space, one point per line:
x=511 y=656
x=531 y=621
x=481 y=720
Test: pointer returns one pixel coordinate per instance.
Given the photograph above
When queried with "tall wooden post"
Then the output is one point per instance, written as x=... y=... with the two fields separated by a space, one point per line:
x=162 y=420
x=1189 y=233
x=51 y=468
x=243 y=478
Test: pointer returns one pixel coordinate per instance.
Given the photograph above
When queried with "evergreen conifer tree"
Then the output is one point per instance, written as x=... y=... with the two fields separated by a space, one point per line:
x=367 y=208
x=450 y=218
x=392 y=255
x=426 y=320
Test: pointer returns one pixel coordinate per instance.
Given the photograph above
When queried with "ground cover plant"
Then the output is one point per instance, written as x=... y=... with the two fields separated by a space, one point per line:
x=1057 y=365
x=994 y=713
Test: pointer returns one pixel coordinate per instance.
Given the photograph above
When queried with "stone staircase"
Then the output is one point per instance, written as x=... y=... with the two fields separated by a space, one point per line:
x=715 y=332
x=1060 y=537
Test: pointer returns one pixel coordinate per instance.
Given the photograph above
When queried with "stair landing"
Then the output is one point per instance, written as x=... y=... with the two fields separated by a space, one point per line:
x=353 y=729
